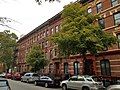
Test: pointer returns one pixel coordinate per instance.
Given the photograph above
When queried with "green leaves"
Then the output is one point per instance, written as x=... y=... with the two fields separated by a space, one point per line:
x=7 y=45
x=36 y=58
x=79 y=32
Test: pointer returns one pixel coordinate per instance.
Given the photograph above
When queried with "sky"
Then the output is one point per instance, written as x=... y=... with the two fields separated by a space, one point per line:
x=26 y=15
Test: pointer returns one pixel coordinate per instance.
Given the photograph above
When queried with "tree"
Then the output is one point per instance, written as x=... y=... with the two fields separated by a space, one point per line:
x=36 y=58
x=40 y=1
x=80 y=34
x=7 y=46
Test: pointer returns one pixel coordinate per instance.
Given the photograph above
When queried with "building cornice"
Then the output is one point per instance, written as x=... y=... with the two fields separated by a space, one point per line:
x=48 y=22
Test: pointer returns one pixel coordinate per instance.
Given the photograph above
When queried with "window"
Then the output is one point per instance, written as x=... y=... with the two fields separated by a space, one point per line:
x=42 y=45
x=73 y=79
x=101 y=22
x=99 y=7
x=118 y=36
x=52 y=31
x=47 y=33
x=66 y=68
x=89 y=79
x=80 y=79
x=114 y=2
x=43 y=34
x=55 y=53
x=117 y=18
x=51 y=54
x=89 y=10
x=27 y=75
x=56 y=29
x=46 y=43
x=76 y=68
x=105 y=67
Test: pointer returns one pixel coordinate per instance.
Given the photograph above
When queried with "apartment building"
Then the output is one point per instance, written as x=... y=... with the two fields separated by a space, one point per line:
x=106 y=63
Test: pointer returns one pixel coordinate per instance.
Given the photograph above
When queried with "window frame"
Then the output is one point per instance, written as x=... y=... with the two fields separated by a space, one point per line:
x=52 y=31
x=99 y=9
x=105 y=70
x=102 y=25
x=118 y=39
x=66 y=69
x=89 y=9
x=113 y=1
x=76 y=70
x=56 y=28
x=115 y=23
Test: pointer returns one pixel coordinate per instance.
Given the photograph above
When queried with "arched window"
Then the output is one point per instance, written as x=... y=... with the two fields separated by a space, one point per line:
x=65 y=68
x=76 y=67
x=105 y=67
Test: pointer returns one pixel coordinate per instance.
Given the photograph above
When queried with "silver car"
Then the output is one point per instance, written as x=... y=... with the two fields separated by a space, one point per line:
x=82 y=83
x=4 y=85
x=113 y=87
x=30 y=77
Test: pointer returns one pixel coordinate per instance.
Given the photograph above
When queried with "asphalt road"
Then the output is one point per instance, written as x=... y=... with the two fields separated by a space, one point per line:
x=17 y=85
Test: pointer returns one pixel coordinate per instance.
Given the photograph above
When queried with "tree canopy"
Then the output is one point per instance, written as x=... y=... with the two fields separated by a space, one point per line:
x=36 y=58
x=7 y=47
x=40 y=1
x=80 y=33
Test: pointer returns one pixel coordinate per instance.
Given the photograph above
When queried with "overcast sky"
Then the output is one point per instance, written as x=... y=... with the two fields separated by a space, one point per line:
x=27 y=14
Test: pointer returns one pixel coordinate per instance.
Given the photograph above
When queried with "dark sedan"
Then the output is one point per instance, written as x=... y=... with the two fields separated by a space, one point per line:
x=47 y=81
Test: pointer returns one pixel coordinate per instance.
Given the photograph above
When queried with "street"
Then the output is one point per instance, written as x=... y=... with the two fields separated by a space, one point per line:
x=17 y=85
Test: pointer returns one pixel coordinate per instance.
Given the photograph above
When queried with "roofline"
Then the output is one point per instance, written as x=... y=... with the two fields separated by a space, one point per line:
x=41 y=26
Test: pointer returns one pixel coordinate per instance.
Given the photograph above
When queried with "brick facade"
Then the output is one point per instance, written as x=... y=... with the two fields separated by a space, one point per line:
x=57 y=65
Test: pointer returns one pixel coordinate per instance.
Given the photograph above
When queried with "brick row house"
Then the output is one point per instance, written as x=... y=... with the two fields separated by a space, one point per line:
x=106 y=63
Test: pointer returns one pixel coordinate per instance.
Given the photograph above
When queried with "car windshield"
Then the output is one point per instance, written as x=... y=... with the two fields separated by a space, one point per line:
x=3 y=83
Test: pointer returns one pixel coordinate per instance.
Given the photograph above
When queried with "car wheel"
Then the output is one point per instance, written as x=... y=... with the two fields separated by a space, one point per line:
x=64 y=87
x=85 y=88
x=35 y=83
x=46 y=85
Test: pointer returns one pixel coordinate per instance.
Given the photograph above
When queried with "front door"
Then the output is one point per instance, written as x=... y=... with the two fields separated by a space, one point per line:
x=57 y=67
x=88 y=67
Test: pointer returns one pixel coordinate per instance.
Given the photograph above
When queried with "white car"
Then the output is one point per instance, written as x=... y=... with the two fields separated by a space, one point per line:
x=113 y=87
x=82 y=83
x=30 y=77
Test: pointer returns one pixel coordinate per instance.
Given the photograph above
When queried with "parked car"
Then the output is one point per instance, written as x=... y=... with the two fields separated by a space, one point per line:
x=4 y=85
x=17 y=76
x=47 y=81
x=30 y=77
x=82 y=83
x=8 y=75
x=113 y=87
x=2 y=75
